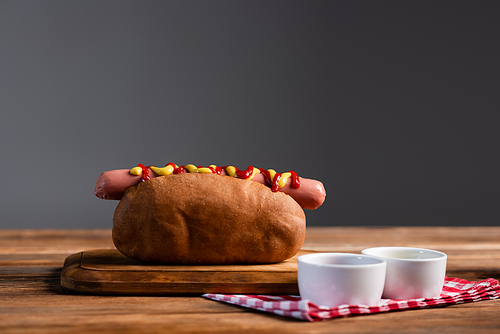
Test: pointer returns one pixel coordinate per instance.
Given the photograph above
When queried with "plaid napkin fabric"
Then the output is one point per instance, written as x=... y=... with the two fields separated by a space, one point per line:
x=455 y=291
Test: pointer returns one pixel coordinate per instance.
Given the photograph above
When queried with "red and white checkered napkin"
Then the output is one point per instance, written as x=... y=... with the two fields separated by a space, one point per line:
x=455 y=291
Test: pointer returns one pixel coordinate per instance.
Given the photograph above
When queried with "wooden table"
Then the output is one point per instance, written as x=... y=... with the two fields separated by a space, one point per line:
x=32 y=300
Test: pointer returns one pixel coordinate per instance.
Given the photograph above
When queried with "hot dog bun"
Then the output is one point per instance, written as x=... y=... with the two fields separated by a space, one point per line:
x=207 y=219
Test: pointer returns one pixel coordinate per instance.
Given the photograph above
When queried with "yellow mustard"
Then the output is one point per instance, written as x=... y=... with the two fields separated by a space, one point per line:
x=230 y=170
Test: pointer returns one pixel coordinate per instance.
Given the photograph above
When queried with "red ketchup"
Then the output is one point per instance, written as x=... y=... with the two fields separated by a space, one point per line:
x=275 y=185
x=145 y=173
x=295 y=180
x=216 y=170
x=177 y=170
x=242 y=174
x=267 y=176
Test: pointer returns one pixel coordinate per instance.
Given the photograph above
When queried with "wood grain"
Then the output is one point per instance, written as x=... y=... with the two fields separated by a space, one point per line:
x=109 y=272
x=33 y=301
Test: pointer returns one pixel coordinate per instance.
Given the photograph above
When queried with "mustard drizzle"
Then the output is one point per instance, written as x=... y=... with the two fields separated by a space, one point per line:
x=230 y=170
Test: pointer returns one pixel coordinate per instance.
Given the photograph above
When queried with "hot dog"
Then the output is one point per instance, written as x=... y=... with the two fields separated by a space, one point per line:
x=112 y=184
x=208 y=215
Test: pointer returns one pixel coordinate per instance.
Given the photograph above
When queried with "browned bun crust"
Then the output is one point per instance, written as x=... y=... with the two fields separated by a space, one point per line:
x=207 y=219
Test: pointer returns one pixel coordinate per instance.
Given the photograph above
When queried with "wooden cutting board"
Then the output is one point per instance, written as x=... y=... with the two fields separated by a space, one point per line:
x=107 y=271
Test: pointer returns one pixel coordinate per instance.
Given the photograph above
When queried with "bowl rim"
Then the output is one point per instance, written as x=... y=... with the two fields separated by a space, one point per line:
x=440 y=255
x=376 y=261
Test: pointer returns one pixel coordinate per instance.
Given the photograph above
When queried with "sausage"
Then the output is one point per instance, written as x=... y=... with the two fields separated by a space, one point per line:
x=111 y=185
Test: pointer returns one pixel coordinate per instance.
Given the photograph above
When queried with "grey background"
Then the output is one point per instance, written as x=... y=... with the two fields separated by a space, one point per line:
x=392 y=104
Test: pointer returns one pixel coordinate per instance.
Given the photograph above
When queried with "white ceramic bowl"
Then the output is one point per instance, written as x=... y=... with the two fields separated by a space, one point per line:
x=411 y=272
x=334 y=279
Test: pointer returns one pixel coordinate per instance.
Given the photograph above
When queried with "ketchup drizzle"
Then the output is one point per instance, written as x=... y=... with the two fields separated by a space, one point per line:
x=242 y=174
x=275 y=185
x=267 y=176
x=177 y=170
x=145 y=173
x=295 y=180
x=216 y=170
